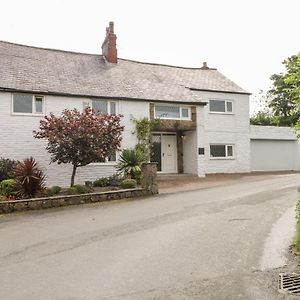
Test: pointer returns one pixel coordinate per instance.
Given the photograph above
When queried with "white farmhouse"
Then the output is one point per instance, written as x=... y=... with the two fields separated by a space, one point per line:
x=204 y=116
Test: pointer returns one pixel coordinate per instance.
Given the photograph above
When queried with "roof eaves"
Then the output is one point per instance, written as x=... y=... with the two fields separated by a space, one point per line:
x=4 y=89
x=220 y=91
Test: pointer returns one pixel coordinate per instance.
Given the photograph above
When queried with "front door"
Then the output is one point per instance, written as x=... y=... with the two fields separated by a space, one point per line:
x=169 y=153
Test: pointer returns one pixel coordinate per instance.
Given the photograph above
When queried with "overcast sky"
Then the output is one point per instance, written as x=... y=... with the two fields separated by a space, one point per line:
x=246 y=40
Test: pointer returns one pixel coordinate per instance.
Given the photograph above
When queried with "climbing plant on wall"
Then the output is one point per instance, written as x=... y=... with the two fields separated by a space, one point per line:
x=143 y=131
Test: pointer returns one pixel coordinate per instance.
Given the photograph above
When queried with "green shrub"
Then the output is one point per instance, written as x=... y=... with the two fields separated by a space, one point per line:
x=82 y=189
x=77 y=189
x=54 y=190
x=71 y=191
x=297 y=241
x=6 y=168
x=88 y=184
x=7 y=187
x=128 y=184
x=115 y=179
x=101 y=182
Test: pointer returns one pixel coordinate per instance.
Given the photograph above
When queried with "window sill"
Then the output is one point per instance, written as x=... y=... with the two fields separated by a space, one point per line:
x=221 y=113
x=222 y=158
x=27 y=114
x=174 y=119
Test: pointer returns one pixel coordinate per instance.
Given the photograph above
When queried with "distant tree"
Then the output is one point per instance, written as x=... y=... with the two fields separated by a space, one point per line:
x=80 y=138
x=283 y=99
x=263 y=118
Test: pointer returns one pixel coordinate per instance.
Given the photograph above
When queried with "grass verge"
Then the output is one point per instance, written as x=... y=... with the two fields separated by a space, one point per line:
x=297 y=239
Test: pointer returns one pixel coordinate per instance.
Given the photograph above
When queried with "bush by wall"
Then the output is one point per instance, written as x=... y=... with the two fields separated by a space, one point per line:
x=54 y=190
x=297 y=240
x=128 y=184
x=7 y=187
x=6 y=168
x=77 y=189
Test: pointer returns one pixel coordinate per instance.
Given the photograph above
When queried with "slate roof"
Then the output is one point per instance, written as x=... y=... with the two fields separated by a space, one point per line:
x=51 y=71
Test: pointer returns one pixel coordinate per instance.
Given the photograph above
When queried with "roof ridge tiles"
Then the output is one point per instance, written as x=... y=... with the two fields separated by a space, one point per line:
x=49 y=49
x=93 y=54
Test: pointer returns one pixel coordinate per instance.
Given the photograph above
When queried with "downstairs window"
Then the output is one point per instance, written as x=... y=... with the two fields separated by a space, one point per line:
x=221 y=151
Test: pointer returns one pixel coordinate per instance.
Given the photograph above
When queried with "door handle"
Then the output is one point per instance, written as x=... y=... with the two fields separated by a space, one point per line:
x=163 y=154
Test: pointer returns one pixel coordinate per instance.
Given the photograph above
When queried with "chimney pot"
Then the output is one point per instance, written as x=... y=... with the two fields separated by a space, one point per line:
x=204 y=67
x=111 y=27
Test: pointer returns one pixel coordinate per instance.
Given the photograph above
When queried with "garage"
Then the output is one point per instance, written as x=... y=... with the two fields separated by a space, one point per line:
x=273 y=155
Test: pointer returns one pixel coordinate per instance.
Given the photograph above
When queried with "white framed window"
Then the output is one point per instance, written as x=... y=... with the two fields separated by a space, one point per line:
x=221 y=106
x=27 y=104
x=221 y=151
x=104 y=106
x=110 y=160
x=172 y=112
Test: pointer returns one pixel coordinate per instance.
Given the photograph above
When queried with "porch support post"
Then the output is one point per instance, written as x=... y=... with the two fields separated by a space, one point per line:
x=201 y=142
x=179 y=152
x=149 y=177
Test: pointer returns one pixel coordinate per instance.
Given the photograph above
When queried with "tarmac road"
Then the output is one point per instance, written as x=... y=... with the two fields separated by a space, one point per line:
x=217 y=243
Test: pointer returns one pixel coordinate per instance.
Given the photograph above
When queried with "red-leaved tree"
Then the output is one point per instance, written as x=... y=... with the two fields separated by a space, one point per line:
x=80 y=138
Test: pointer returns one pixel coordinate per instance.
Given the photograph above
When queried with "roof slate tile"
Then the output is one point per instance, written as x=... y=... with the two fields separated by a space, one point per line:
x=60 y=72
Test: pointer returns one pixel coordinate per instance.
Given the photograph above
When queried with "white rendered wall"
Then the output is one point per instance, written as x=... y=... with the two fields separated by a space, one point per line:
x=224 y=129
x=18 y=141
x=190 y=152
x=274 y=148
x=272 y=133
x=201 y=141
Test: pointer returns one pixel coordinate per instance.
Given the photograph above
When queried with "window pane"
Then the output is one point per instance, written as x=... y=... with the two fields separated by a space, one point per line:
x=112 y=157
x=229 y=106
x=229 y=151
x=112 y=108
x=38 y=104
x=185 y=113
x=156 y=151
x=100 y=106
x=217 y=105
x=22 y=103
x=217 y=151
x=167 y=112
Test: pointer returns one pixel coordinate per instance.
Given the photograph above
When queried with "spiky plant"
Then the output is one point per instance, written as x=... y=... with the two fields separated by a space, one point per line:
x=30 y=179
x=130 y=162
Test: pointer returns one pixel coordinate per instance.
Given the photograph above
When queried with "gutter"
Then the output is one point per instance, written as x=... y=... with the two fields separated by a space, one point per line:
x=220 y=91
x=100 y=97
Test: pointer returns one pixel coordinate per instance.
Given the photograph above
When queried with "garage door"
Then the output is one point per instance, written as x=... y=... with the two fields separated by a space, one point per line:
x=273 y=155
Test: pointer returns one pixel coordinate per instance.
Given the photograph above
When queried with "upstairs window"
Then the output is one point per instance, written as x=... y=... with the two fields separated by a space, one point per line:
x=172 y=112
x=28 y=104
x=104 y=107
x=221 y=106
x=221 y=151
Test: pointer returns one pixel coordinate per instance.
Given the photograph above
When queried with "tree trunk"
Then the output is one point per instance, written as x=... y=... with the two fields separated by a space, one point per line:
x=73 y=175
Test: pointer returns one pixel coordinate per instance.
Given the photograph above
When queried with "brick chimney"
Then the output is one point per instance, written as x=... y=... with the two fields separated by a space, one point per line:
x=109 y=46
x=204 y=67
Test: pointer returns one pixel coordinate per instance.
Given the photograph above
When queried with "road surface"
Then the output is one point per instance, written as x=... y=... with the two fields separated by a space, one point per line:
x=215 y=243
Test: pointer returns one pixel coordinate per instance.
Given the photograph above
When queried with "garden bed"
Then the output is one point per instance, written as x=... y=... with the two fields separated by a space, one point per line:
x=10 y=206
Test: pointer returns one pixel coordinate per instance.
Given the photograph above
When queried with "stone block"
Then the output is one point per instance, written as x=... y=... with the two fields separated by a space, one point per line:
x=20 y=206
